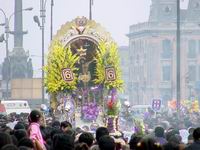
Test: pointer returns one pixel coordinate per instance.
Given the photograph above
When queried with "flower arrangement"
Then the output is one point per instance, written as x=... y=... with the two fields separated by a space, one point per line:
x=107 y=55
x=90 y=111
x=112 y=124
x=107 y=58
x=113 y=105
x=60 y=57
x=139 y=127
x=113 y=109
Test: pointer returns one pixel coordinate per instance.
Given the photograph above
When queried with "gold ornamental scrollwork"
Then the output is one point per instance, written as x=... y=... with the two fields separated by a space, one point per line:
x=81 y=27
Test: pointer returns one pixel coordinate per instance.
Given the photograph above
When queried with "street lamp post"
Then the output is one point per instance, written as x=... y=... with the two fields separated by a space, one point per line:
x=42 y=16
x=7 y=32
x=178 y=61
x=6 y=24
x=51 y=26
x=36 y=19
x=90 y=9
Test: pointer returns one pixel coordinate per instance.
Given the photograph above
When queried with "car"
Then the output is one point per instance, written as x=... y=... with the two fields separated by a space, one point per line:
x=140 y=108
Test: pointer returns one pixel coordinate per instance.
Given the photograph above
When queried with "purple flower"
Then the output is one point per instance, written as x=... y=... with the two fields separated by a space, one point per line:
x=90 y=111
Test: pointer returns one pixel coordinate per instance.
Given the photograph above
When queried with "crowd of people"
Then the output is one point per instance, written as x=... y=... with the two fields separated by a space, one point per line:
x=31 y=132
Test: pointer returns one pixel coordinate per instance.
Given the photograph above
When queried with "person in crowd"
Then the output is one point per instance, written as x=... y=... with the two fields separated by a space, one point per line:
x=87 y=138
x=86 y=128
x=72 y=133
x=46 y=132
x=190 y=139
x=159 y=135
x=6 y=129
x=20 y=133
x=177 y=141
x=34 y=130
x=148 y=144
x=106 y=143
x=101 y=131
x=54 y=132
x=65 y=125
x=82 y=146
x=18 y=126
x=62 y=142
x=78 y=130
x=9 y=147
x=26 y=142
x=56 y=124
x=134 y=141
x=196 y=144
x=170 y=132
x=5 y=139
x=170 y=146
x=14 y=140
x=191 y=130
x=120 y=144
x=24 y=148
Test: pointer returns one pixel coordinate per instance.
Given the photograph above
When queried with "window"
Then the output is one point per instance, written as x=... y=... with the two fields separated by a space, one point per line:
x=191 y=49
x=192 y=73
x=131 y=60
x=199 y=73
x=167 y=9
x=167 y=49
x=122 y=61
x=196 y=5
x=166 y=73
x=199 y=46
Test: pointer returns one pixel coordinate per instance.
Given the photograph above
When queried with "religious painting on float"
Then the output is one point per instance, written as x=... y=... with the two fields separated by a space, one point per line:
x=86 y=49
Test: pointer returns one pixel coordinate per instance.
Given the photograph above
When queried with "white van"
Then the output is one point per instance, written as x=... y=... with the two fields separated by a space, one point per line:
x=140 y=108
x=16 y=106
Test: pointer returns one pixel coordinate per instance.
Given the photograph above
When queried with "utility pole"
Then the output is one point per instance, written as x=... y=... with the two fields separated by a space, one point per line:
x=36 y=19
x=178 y=61
x=42 y=15
x=51 y=28
x=90 y=9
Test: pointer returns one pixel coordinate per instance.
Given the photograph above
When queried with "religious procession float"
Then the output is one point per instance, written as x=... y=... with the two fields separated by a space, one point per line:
x=83 y=74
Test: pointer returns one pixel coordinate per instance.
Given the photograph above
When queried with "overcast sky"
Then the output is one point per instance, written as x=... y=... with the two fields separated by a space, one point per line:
x=115 y=15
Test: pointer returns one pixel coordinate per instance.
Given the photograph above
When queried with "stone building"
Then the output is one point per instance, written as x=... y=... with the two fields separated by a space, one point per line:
x=152 y=50
x=124 y=61
x=1 y=86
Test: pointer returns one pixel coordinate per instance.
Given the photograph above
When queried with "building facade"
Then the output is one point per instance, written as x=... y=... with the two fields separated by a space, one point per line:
x=1 y=86
x=124 y=61
x=152 y=51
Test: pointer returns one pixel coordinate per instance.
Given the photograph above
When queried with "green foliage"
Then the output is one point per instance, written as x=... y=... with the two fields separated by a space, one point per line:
x=107 y=56
x=115 y=109
x=60 y=57
x=139 y=127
